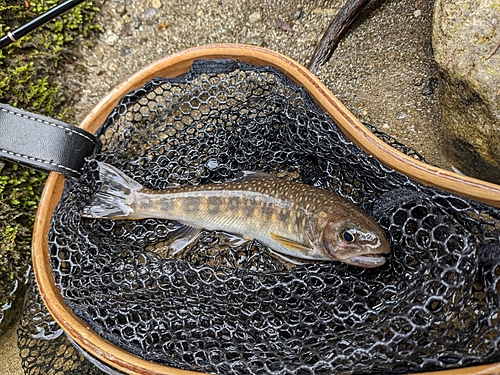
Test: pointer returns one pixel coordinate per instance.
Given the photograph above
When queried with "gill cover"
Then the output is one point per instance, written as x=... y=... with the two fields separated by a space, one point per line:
x=356 y=240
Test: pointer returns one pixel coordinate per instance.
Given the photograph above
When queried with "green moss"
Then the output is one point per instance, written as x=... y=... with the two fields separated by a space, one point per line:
x=484 y=39
x=30 y=78
x=34 y=58
x=19 y=196
x=495 y=6
x=20 y=189
x=9 y=237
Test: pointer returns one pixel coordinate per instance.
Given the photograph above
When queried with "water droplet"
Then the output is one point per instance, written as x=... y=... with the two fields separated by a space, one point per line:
x=212 y=163
x=401 y=115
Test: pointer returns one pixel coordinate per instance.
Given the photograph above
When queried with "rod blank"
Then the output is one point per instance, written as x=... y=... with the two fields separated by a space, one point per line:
x=52 y=13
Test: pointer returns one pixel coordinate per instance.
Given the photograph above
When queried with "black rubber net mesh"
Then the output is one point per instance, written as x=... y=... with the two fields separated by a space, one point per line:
x=221 y=308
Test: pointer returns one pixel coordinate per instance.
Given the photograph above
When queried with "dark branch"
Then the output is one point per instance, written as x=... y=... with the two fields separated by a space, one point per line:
x=333 y=35
x=492 y=52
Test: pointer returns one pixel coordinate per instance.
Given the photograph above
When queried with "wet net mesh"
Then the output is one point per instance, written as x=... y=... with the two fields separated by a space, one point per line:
x=227 y=309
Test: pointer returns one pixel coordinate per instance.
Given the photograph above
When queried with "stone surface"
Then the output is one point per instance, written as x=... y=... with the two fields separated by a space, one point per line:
x=464 y=34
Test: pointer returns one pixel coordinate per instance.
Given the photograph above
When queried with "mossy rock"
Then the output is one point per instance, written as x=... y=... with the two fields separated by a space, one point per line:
x=30 y=78
x=19 y=195
x=30 y=67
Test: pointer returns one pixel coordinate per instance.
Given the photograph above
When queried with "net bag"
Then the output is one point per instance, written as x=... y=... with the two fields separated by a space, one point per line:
x=226 y=309
x=45 y=349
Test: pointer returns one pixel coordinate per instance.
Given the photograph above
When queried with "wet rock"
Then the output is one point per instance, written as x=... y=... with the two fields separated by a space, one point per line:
x=254 y=17
x=149 y=16
x=254 y=40
x=120 y=9
x=430 y=85
x=111 y=38
x=136 y=22
x=125 y=51
x=464 y=34
x=156 y=4
x=324 y=11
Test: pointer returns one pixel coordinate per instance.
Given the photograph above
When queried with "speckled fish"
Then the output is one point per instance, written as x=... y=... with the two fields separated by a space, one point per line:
x=290 y=218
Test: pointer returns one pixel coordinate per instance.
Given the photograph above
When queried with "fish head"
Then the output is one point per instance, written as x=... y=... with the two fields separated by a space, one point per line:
x=355 y=239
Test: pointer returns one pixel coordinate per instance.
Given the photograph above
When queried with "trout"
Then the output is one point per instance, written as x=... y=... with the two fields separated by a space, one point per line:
x=290 y=218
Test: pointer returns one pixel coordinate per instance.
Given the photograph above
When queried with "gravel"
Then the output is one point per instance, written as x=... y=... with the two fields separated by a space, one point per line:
x=381 y=70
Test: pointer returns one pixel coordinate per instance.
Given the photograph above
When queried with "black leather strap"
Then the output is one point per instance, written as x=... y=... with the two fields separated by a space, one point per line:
x=42 y=142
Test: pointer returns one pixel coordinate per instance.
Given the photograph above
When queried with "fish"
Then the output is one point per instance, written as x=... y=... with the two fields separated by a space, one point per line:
x=290 y=218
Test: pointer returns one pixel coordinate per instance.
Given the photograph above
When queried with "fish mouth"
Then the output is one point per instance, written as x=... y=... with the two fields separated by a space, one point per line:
x=366 y=260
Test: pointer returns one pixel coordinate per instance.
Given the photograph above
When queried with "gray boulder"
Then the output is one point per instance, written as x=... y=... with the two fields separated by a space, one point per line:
x=464 y=35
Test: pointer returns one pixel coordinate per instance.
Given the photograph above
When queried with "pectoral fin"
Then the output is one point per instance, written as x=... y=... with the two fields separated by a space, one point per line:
x=290 y=244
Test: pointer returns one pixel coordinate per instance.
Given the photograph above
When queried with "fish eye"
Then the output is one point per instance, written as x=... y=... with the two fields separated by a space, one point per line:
x=348 y=235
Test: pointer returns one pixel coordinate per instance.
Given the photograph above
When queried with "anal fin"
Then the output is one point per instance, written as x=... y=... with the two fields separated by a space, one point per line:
x=291 y=260
x=236 y=240
x=182 y=237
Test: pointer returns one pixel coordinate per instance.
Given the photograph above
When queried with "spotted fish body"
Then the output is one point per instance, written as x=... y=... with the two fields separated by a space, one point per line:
x=292 y=219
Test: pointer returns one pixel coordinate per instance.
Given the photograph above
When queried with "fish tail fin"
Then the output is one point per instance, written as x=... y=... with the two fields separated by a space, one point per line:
x=114 y=199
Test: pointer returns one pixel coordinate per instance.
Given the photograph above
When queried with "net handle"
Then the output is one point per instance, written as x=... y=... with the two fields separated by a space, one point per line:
x=42 y=142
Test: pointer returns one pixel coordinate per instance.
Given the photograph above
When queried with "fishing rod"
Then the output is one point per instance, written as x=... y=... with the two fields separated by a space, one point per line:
x=14 y=36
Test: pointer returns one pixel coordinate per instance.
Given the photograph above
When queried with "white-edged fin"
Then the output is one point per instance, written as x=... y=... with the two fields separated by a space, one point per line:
x=251 y=175
x=235 y=240
x=182 y=237
x=114 y=198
